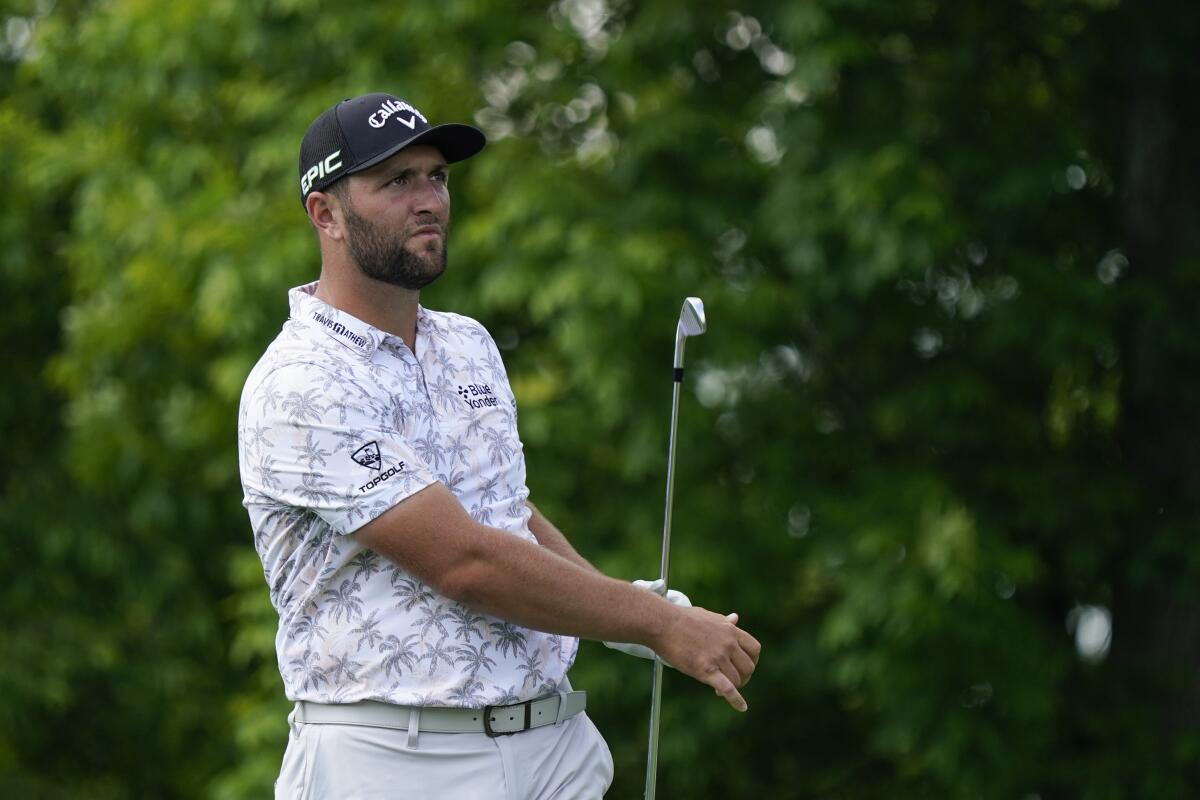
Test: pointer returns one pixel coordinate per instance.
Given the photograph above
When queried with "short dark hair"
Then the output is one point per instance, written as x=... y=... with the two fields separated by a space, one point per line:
x=340 y=189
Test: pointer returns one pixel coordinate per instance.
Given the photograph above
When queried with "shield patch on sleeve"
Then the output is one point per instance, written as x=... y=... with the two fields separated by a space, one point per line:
x=368 y=455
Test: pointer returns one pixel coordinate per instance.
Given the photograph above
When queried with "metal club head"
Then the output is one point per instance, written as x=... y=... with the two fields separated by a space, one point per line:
x=691 y=323
x=691 y=317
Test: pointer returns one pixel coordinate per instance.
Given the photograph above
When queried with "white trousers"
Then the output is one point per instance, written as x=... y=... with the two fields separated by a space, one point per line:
x=570 y=761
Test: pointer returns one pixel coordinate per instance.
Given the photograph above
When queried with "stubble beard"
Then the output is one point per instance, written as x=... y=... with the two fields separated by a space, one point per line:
x=385 y=258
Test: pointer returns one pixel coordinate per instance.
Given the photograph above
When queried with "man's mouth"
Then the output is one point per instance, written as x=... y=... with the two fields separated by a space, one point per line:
x=426 y=232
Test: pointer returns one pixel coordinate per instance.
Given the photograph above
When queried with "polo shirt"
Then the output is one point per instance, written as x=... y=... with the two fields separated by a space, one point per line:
x=338 y=422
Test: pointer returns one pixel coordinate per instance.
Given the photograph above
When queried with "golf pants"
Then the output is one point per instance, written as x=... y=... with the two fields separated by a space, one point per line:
x=569 y=761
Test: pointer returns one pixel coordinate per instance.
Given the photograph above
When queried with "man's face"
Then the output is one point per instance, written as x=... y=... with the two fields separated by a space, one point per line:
x=397 y=218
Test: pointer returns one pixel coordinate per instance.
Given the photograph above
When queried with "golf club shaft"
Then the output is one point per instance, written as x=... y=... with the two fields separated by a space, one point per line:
x=656 y=692
x=655 y=710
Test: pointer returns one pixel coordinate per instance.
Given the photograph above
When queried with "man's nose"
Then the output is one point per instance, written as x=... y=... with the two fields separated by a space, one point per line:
x=429 y=197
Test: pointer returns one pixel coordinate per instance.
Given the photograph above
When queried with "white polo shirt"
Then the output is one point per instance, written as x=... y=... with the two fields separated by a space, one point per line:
x=339 y=421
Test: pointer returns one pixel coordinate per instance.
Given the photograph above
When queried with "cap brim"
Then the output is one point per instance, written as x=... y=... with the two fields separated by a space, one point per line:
x=457 y=142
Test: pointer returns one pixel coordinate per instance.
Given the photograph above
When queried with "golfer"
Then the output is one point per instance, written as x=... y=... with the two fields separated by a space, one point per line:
x=428 y=613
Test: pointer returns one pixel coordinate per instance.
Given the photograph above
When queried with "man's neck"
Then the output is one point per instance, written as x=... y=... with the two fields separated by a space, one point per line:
x=381 y=305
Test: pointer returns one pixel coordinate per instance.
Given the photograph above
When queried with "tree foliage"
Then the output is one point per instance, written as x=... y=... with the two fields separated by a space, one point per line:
x=943 y=425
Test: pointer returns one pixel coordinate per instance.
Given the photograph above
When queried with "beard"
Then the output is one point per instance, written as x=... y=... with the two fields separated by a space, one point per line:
x=384 y=257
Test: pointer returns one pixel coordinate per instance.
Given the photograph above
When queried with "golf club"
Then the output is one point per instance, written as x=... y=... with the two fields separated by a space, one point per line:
x=691 y=323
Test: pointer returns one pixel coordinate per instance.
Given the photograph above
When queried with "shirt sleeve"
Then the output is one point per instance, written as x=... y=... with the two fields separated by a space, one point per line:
x=307 y=441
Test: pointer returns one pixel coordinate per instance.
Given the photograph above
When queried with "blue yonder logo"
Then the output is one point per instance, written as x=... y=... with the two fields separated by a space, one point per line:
x=478 y=395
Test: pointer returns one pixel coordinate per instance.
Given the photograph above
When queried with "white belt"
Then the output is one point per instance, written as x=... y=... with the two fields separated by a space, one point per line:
x=491 y=720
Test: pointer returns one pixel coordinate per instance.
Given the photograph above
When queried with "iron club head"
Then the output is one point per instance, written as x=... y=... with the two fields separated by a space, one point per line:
x=691 y=317
x=691 y=323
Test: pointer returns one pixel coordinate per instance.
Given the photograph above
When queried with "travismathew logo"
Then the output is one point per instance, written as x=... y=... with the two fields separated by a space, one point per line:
x=339 y=329
x=477 y=395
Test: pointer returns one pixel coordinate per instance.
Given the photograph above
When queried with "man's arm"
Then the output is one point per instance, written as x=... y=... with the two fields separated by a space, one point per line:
x=551 y=537
x=432 y=536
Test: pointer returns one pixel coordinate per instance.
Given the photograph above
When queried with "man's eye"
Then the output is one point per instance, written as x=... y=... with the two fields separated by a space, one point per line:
x=400 y=180
x=439 y=177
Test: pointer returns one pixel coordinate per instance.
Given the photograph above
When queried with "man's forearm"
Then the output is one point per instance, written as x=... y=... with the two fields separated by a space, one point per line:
x=538 y=588
x=430 y=535
x=517 y=580
x=551 y=537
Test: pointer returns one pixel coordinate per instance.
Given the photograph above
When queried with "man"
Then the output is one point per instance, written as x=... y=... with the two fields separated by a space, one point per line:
x=427 y=609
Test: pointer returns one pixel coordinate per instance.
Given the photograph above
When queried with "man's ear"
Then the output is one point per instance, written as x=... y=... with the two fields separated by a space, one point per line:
x=325 y=214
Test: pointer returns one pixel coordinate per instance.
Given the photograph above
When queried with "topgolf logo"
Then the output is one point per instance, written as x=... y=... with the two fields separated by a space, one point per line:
x=395 y=469
x=368 y=455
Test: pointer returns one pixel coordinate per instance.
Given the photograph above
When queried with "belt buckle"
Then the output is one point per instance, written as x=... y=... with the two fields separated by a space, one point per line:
x=487 y=719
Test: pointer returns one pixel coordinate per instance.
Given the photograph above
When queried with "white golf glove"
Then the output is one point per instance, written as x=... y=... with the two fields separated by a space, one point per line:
x=673 y=596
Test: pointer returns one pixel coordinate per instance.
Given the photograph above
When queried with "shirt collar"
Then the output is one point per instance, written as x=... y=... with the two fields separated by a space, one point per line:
x=348 y=330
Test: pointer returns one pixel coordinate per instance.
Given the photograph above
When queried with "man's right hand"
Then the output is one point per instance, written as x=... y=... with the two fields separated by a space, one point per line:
x=712 y=649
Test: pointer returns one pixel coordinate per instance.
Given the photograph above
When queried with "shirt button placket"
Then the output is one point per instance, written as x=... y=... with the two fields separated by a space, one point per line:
x=414 y=374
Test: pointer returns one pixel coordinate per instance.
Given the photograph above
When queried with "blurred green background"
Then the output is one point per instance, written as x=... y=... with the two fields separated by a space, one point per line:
x=940 y=446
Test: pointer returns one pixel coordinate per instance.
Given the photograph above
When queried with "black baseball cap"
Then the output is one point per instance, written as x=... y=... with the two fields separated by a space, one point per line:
x=359 y=132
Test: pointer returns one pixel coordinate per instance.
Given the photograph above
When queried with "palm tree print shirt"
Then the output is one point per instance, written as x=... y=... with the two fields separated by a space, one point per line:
x=339 y=421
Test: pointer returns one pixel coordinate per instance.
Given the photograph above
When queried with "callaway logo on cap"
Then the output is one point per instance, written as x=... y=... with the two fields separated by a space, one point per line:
x=360 y=132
